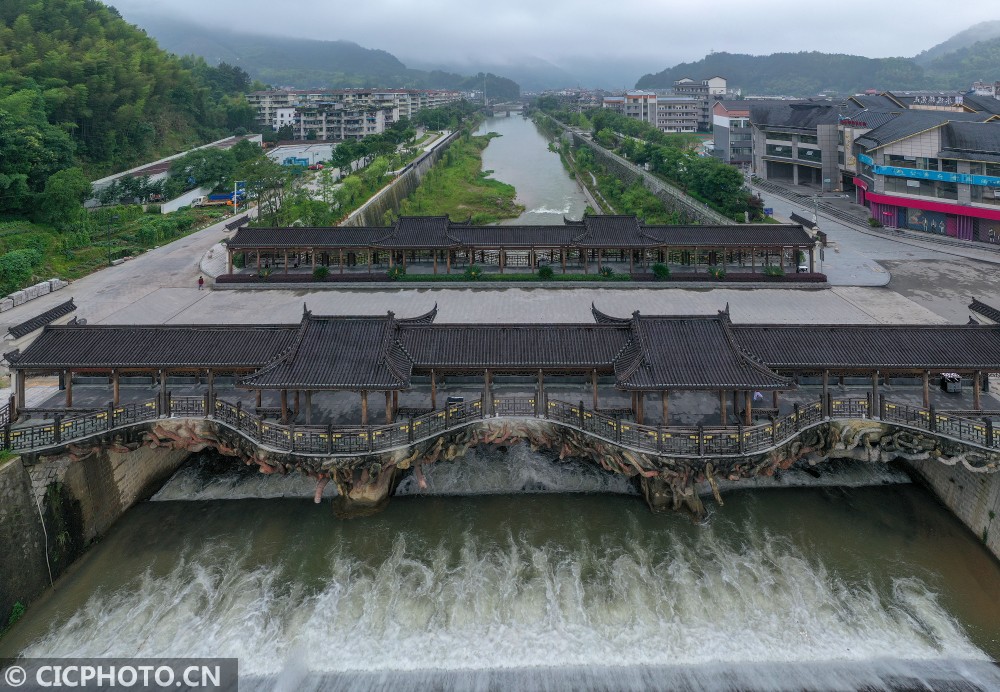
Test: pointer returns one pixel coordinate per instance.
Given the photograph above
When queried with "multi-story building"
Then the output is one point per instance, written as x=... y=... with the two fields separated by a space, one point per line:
x=930 y=173
x=796 y=142
x=343 y=113
x=731 y=131
x=706 y=91
x=667 y=113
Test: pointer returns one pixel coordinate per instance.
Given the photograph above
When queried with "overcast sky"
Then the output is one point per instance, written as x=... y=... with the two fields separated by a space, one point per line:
x=662 y=32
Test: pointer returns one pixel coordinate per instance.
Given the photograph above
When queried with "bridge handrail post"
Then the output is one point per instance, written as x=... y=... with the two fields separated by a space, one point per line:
x=409 y=429
x=932 y=418
x=881 y=406
x=742 y=441
x=829 y=405
x=111 y=415
x=291 y=436
x=868 y=404
x=797 y=407
x=989 y=431
x=774 y=430
x=581 y=417
x=329 y=438
x=371 y=439
x=659 y=439
x=57 y=428
x=701 y=440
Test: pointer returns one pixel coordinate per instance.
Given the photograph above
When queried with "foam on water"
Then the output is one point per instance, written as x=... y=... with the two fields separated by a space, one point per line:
x=467 y=612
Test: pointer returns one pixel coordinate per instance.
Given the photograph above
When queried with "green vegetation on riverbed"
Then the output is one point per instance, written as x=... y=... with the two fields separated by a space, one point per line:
x=457 y=187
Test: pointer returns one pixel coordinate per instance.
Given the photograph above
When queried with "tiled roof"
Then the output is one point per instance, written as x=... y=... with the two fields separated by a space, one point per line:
x=359 y=353
x=592 y=232
x=745 y=235
x=873 y=346
x=347 y=236
x=689 y=353
x=911 y=122
x=520 y=346
x=973 y=141
x=987 y=311
x=796 y=115
x=106 y=346
x=39 y=321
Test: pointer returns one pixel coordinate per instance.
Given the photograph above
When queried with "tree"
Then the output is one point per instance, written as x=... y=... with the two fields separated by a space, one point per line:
x=268 y=183
x=60 y=202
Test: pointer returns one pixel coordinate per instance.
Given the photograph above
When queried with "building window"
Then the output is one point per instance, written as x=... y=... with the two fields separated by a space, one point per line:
x=779 y=136
x=808 y=139
x=779 y=150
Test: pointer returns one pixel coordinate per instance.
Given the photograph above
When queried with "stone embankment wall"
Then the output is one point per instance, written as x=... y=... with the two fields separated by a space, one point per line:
x=690 y=209
x=81 y=491
x=972 y=496
x=23 y=575
x=372 y=213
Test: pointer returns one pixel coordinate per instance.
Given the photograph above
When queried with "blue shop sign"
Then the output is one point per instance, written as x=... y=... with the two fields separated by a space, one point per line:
x=940 y=176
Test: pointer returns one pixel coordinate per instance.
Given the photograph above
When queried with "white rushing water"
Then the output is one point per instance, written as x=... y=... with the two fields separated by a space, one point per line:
x=469 y=612
x=486 y=471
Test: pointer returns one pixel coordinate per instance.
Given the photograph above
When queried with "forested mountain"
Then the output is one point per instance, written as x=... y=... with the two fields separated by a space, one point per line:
x=984 y=31
x=971 y=55
x=81 y=87
x=795 y=73
x=303 y=63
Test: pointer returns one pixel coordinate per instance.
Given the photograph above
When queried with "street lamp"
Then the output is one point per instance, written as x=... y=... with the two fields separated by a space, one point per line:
x=112 y=220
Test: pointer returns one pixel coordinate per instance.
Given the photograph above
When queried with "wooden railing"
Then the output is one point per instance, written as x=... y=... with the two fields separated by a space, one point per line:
x=329 y=440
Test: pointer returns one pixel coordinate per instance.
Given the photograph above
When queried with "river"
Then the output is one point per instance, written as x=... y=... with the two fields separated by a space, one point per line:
x=521 y=158
x=517 y=571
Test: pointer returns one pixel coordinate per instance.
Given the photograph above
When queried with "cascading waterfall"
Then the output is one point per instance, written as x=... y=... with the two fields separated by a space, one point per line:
x=528 y=605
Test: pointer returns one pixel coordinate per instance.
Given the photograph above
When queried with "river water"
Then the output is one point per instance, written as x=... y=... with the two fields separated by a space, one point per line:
x=521 y=158
x=517 y=571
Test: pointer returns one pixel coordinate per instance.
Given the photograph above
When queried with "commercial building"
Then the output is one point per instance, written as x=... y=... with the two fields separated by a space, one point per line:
x=731 y=131
x=796 y=142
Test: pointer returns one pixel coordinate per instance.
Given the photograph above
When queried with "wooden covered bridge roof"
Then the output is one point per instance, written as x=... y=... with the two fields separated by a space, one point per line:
x=645 y=352
x=438 y=232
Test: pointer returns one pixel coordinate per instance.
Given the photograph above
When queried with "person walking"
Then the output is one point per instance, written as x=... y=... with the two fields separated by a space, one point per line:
x=201 y=282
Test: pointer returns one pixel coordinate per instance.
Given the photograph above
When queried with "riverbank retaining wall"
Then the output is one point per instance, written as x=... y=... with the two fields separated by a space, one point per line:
x=79 y=493
x=23 y=575
x=690 y=209
x=973 y=497
x=372 y=213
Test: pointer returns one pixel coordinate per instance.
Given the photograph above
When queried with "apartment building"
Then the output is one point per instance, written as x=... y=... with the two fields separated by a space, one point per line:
x=343 y=113
x=706 y=91
x=732 y=133
x=667 y=113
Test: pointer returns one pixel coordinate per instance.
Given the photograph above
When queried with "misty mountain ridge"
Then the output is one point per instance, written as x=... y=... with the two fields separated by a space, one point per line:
x=301 y=63
x=952 y=64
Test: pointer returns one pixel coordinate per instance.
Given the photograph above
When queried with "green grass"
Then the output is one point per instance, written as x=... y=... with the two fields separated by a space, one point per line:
x=457 y=187
x=75 y=253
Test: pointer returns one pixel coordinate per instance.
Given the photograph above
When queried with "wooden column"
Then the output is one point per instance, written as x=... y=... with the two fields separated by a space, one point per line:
x=927 y=388
x=286 y=261
x=487 y=393
x=309 y=407
x=748 y=413
x=340 y=254
x=433 y=390
x=826 y=389
x=115 y=387
x=229 y=261
x=388 y=406
x=20 y=381
x=774 y=400
x=812 y=259
x=977 y=388
x=562 y=258
x=68 y=381
x=635 y=406
x=502 y=260
x=641 y=407
x=447 y=260
x=260 y=396
x=258 y=259
x=313 y=258
x=395 y=402
x=435 y=261
x=664 y=404
x=284 y=405
x=296 y=409
x=875 y=406
x=722 y=408
x=211 y=390
x=163 y=391
x=594 y=379
x=540 y=398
